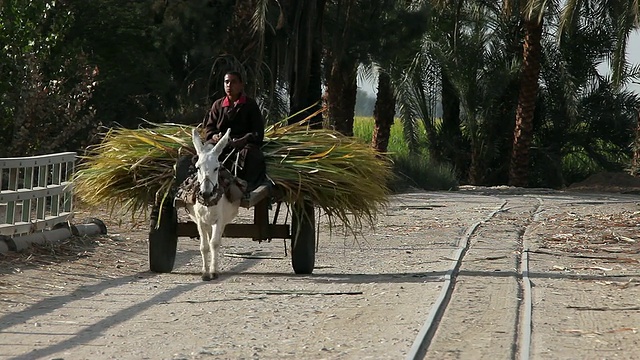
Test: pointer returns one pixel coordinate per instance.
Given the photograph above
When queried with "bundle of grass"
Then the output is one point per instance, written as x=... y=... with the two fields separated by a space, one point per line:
x=342 y=175
x=131 y=169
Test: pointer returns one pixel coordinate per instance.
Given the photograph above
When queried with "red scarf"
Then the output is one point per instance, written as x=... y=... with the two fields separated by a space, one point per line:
x=241 y=100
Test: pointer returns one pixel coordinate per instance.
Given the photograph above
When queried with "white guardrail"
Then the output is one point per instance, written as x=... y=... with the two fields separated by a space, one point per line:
x=36 y=193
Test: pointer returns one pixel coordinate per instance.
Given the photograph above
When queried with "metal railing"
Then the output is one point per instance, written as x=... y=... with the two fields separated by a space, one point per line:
x=36 y=192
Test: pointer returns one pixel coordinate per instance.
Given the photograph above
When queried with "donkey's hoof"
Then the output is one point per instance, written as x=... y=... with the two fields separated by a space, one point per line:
x=209 y=277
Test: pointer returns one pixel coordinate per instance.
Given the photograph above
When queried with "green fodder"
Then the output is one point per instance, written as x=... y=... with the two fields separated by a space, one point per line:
x=342 y=175
x=131 y=169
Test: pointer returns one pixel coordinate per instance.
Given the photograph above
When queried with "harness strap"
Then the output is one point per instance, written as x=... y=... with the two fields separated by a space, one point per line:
x=235 y=163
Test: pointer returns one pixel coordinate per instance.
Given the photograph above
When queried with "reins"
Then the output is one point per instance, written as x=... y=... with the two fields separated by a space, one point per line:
x=235 y=163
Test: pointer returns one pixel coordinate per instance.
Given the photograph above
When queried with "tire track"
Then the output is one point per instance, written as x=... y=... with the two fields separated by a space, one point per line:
x=421 y=344
x=522 y=341
x=522 y=325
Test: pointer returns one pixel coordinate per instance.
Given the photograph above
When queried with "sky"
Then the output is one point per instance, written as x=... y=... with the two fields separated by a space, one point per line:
x=633 y=51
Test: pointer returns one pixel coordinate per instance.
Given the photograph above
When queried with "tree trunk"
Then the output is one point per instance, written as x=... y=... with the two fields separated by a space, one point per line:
x=383 y=113
x=449 y=146
x=341 y=95
x=239 y=40
x=305 y=80
x=635 y=162
x=523 y=131
x=476 y=165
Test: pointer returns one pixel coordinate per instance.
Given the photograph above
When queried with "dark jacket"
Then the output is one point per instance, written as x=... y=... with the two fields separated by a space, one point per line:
x=247 y=131
x=244 y=119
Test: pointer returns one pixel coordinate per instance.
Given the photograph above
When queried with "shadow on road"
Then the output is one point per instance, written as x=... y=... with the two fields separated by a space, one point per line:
x=96 y=330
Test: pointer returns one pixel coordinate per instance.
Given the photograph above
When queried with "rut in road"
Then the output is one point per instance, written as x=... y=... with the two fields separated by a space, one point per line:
x=474 y=288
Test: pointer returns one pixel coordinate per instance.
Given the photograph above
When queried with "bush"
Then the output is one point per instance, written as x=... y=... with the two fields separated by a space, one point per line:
x=414 y=170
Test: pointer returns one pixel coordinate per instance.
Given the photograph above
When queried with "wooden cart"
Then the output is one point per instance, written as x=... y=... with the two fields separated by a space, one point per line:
x=163 y=237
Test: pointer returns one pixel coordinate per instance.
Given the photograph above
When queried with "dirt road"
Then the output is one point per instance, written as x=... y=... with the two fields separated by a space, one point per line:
x=496 y=273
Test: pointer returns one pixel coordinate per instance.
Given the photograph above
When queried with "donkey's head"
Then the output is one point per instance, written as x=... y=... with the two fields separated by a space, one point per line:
x=208 y=164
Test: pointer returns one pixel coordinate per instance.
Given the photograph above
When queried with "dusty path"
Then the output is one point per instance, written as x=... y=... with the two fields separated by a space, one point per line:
x=367 y=299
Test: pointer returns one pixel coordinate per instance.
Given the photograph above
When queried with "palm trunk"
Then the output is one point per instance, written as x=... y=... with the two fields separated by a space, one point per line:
x=476 y=165
x=449 y=146
x=341 y=95
x=240 y=41
x=306 y=78
x=383 y=113
x=635 y=162
x=523 y=131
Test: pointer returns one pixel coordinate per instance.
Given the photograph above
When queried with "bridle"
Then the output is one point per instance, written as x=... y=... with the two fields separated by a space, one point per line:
x=217 y=189
x=213 y=186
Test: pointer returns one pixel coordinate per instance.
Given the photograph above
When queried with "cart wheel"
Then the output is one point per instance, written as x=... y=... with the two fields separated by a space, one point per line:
x=303 y=244
x=163 y=239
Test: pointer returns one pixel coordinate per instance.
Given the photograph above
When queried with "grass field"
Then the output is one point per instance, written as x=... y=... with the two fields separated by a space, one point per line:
x=412 y=169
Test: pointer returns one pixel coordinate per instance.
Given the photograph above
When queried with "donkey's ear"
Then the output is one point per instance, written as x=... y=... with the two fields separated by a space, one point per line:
x=222 y=143
x=197 y=141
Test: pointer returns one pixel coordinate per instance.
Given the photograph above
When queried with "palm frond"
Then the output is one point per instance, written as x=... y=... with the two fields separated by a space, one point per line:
x=345 y=177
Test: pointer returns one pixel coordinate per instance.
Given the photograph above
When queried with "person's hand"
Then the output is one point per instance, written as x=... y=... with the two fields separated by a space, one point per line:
x=239 y=143
x=215 y=138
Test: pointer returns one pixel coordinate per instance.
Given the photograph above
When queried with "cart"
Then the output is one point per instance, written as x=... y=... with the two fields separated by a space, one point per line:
x=163 y=236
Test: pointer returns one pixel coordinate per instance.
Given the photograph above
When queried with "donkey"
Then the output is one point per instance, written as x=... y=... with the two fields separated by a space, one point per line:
x=212 y=210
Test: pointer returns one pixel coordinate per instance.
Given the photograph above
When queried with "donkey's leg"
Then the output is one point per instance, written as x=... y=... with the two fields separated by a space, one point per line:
x=205 y=250
x=215 y=241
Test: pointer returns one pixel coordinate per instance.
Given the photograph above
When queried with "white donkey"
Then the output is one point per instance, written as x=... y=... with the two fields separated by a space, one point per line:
x=212 y=210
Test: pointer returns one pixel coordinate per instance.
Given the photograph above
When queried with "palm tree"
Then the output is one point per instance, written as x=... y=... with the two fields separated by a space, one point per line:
x=341 y=63
x=587 y=120
x=532 y=19
x=465 y=62
x=383 y=113
x=401 y=29
x=378 y=34
x=625 y=15
x=304 y=29
x=290 y=47
x=448 y=145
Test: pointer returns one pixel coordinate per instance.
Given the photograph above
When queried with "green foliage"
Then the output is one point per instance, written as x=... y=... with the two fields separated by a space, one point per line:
x=466 y=62
x=584 y=123
x=418 y=171
x=412 y=169
x=70 y=66
x=154 y=57
x=44 y=88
